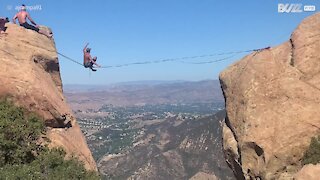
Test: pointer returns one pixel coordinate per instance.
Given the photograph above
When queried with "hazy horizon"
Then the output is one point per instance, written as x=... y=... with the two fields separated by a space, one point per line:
x=141 y=82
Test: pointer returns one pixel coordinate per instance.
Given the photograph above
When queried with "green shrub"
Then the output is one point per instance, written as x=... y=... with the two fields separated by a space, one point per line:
x=19 y=132
x=49 y=164
x=312 y=155
x=23 y=157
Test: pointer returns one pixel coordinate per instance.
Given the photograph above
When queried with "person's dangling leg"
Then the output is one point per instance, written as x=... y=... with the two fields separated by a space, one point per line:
x=91 y=67
x=49 y=35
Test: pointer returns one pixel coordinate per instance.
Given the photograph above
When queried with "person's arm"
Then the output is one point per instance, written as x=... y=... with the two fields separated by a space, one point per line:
x=31 y=20
x=14 y=18
x=84 y=49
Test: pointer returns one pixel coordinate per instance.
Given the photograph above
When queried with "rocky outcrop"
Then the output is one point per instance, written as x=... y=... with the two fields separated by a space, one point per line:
x=272 y=102
x=203 y=176
x=30 y=77
x=309 y=172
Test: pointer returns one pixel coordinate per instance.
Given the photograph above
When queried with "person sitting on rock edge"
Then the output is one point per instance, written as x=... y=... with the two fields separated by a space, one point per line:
x=88 y=62
x=3 y=21
x=22 y=16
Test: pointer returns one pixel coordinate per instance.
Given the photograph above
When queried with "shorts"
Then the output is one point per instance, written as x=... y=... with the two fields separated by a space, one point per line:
x=2 y=23
x=88 y=65
x=28 y=26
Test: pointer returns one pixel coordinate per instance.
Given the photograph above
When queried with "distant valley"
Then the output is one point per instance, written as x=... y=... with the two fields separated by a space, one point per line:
x=172 y=149
x=156 y=130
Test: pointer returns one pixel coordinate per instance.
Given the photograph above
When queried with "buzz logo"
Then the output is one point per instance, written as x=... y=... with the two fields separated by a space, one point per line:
x=309 y=8
x=290 y=8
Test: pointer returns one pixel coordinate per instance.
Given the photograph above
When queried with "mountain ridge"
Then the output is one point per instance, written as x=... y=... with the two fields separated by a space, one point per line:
x=174 y=149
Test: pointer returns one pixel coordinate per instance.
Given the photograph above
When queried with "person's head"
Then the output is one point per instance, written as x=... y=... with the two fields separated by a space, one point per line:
x=94 y=58
x=23 y=7
x=88 y=50
x=7 y=19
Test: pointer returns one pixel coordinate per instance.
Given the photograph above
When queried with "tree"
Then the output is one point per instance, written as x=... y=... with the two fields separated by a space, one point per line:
x=23 y=157
x=312 y=155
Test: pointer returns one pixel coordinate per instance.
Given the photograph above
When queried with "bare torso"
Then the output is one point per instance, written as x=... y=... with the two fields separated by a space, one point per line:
x=22 y=16
x=86 y=57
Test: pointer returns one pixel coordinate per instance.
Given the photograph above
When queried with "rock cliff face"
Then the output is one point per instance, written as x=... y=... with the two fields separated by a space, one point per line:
x=309 y=172
x=272 y=102
x=30 y=77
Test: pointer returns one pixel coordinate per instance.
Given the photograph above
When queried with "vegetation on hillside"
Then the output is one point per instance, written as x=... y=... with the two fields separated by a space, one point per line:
x=312 y=155
x=22 y=156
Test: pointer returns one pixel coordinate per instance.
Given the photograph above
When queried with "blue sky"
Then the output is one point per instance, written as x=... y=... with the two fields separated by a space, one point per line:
x=124 y=31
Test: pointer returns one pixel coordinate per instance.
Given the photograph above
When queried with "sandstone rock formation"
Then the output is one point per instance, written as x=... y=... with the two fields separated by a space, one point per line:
x=30 y=77
x=272 y=102
x=309 y=172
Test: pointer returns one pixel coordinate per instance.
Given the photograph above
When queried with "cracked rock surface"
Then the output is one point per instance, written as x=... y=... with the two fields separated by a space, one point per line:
x=273 y=106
